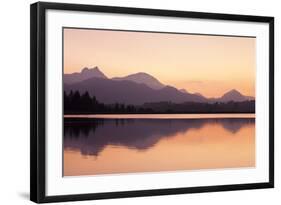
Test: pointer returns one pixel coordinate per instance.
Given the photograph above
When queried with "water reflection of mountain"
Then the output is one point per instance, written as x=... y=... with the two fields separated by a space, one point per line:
x=91 y=136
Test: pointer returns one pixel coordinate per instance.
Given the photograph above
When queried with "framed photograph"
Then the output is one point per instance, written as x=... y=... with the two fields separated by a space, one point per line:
x=129 y=102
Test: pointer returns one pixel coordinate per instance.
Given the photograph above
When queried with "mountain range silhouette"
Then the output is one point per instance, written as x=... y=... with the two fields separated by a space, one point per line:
x=136 y=89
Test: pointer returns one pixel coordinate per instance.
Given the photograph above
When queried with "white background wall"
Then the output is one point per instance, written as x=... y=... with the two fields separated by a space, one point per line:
x=14 y=100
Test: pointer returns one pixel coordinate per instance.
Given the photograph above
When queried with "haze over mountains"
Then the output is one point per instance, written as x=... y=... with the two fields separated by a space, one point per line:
x=136 y=89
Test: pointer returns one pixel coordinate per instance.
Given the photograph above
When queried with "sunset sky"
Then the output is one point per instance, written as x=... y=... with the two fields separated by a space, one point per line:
x=210 y=65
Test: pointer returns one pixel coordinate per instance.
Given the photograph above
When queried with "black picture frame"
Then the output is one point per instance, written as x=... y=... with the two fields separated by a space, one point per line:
x=38 y=103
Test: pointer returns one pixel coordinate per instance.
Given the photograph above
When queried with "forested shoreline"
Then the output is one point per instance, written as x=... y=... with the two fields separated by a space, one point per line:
x=76 y=103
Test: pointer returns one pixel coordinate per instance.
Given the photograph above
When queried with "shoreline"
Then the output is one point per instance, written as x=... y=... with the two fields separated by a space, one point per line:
x=161 y=116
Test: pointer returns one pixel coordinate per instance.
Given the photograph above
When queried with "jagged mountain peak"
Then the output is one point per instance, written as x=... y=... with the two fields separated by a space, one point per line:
x=84 y=74
x=93 y=69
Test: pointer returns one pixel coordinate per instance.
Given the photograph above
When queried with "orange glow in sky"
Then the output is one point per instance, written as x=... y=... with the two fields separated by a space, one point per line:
x=210 y=65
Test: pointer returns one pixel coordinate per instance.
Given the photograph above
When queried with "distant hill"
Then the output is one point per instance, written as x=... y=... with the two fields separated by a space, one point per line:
x=143 y=78
x=232 y=95
x=86 y=73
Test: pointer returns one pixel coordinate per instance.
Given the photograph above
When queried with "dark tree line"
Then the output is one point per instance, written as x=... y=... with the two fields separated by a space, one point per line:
x=196 y=107
x=76 y=103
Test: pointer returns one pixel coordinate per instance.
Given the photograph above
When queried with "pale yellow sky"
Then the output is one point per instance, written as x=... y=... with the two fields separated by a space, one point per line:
x=210 y=65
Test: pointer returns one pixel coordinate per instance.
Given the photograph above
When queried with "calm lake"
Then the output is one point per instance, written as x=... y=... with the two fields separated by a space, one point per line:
x=113 y=144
